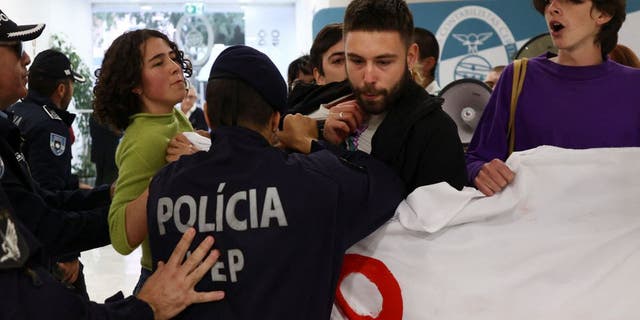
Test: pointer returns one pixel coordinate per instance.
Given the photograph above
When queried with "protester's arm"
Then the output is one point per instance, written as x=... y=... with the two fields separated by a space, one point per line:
x=180 y=146
x=137 y=164
x=489 y=146
x=136 y=219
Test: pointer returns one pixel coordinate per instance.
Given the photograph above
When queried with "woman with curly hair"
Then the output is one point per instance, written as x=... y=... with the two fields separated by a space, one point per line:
x=141 y=79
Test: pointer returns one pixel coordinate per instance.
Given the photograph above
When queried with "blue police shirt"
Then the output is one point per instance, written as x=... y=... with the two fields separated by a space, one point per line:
x=281 y=222
x=47 y=146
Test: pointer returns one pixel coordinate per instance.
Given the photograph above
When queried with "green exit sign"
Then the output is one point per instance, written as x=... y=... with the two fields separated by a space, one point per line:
x=194 y=8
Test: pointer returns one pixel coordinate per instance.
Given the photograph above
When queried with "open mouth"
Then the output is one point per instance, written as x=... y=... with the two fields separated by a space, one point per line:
x=556 y=26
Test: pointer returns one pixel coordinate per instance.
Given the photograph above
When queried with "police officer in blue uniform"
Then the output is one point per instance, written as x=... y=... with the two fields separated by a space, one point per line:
x=45 y=123
x=282 y=222
x=35 y=223
x=30 y=292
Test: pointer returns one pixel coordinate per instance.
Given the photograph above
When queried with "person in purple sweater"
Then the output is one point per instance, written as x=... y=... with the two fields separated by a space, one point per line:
x=578 y=99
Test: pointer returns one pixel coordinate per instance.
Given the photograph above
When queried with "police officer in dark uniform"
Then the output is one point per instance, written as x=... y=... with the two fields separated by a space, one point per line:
x=35 y=223
x=45 y=125
x=282 y=221
x=29 y=291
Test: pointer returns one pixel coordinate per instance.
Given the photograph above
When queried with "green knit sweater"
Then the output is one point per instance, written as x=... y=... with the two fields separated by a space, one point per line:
x=139 y=156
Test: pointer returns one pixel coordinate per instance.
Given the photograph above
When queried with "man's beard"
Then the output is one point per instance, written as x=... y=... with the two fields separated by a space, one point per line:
x=389 y=96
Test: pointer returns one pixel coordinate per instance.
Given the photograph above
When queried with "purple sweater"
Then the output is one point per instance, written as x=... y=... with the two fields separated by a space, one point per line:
x=568 y=107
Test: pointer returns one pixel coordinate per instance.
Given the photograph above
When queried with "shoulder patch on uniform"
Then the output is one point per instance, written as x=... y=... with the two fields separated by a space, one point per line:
x=17 y=120
x=13 y=250
x=51 y=113
x=57 y=143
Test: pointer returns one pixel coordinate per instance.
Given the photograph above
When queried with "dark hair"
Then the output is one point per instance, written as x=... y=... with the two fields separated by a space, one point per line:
x=301 y=64
x=380 y=15
x=428 y=45
x=121 y=72
x=608 y=35
x=233 y=98
x=325 y=39
x=624 y=56
x=44 y=85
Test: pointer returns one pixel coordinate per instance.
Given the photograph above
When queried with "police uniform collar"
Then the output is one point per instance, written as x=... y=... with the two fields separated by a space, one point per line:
x=50 y=108
x=240 y=135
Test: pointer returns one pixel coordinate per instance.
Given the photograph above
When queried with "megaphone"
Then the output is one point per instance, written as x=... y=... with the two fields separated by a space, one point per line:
x=464 y=102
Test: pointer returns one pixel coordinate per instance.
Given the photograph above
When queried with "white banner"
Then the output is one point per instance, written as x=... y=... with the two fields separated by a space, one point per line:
x=561 y=242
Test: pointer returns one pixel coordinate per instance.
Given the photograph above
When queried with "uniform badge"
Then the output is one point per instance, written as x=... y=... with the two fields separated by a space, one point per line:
x=57 y=144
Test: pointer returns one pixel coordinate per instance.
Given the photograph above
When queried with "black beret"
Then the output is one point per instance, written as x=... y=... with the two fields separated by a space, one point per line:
x=255 y=69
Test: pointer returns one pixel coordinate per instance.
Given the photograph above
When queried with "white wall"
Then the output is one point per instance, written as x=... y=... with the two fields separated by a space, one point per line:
x=70 y=17
x=73 y=18
x=629 y=35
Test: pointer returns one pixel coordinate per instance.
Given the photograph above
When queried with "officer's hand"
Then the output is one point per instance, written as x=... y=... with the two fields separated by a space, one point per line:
x=70 y=271
x=343 y=119
x=171 y=287
x=493 y=177
x=179 y=146
x=297 y=132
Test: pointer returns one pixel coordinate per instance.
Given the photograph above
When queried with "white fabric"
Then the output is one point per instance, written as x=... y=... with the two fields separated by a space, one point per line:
x=372 y=124
x=321 y=114
x=433 y=88
x=561 y=242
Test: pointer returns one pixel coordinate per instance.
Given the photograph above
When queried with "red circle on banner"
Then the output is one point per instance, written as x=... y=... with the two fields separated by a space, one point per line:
x=378 y=273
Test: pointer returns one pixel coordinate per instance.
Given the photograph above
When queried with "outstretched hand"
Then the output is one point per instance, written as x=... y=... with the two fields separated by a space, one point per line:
x=171 y=287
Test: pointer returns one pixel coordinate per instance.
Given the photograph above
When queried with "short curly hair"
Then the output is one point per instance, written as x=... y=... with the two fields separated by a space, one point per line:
x=121 y=71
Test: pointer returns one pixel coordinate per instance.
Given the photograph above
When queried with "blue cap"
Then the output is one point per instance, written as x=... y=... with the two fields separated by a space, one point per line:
x=255 y=69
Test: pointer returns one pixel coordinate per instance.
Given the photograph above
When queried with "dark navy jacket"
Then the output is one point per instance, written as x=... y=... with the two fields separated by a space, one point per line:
x=63 y=221
x=281 y=222
x=30 y=292
x=197 y=120
x=420 y=141
x=47 y=146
